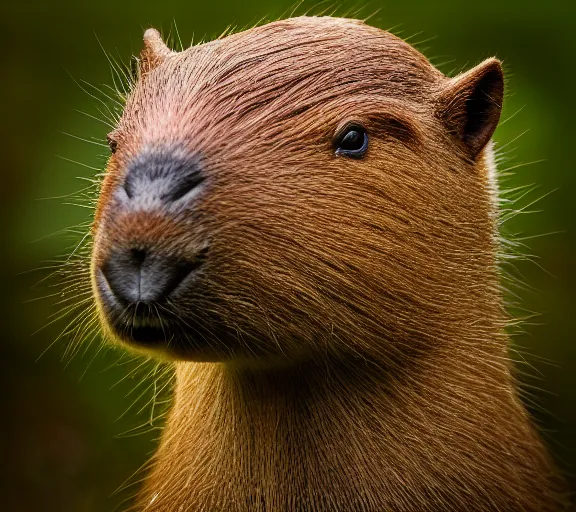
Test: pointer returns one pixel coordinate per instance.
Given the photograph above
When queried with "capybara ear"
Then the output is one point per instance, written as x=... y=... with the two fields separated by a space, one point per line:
x=154 y=52
x=470 y=105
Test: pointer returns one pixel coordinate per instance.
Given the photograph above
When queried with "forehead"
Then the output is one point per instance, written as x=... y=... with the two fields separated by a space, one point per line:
x=277 y=71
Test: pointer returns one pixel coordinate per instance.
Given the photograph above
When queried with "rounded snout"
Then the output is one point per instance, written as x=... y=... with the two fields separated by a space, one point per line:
x=134 y=287
x=140 y=275
x=143 y=256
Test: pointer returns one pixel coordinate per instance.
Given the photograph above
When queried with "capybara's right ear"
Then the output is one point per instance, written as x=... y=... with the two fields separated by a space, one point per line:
x=154 y=52
x=470 y=105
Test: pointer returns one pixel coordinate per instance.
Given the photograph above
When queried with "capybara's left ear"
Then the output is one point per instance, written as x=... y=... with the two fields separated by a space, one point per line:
x=470 y=105
x=154 y=52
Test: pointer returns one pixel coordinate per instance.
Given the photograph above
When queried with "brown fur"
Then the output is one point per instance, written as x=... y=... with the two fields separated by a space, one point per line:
x=350 y=316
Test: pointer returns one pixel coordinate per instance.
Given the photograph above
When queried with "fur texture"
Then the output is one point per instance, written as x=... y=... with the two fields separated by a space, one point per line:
x=342 y=346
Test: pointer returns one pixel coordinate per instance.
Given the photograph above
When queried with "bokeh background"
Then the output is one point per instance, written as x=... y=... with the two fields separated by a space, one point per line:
x=73 y=430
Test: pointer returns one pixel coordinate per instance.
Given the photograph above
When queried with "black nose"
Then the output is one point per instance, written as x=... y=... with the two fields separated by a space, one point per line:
x=141 y=276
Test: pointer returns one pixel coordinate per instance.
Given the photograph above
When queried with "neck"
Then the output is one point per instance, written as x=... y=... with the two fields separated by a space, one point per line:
x=444 y=432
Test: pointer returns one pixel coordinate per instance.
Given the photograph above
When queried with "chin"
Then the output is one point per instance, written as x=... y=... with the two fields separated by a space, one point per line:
x=157 y=328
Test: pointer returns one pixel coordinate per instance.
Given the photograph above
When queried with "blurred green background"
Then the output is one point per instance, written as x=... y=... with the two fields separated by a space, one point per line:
x=70 y=438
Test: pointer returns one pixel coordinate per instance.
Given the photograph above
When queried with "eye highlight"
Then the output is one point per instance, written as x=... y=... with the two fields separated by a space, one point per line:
x=351 y=141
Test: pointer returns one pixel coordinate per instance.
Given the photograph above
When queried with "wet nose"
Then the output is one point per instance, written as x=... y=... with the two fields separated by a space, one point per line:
x=140 y=276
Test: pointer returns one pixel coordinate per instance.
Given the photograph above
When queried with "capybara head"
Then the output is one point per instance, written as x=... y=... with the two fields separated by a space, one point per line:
x=309 y=187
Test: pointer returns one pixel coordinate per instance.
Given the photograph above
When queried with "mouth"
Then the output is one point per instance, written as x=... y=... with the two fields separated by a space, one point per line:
x=142 y=324
x=145 y=327
x=137 y=289
x=140 y=307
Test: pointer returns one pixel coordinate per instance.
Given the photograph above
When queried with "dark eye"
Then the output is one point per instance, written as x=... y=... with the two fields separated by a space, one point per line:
x=352 y=141
x=112 y=143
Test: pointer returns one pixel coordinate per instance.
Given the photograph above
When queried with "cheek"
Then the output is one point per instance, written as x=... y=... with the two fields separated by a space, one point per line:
x=99 y=249
x=112 y=179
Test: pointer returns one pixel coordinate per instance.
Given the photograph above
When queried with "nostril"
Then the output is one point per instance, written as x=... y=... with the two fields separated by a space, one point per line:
x=180 y=270
x=141 y=275
x=138 y=256
x=178 y=274
x=183 y=185
x=161 y=174
x=128 y=188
